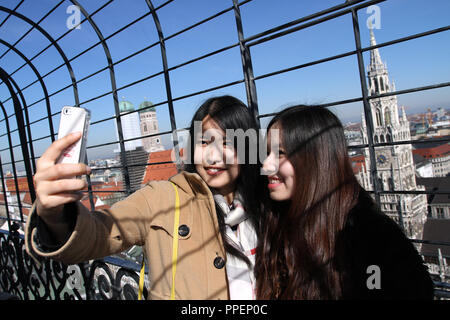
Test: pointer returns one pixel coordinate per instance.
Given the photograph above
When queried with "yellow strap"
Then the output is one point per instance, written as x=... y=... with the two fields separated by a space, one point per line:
x=141 y=279
x=175 y=241
x=174 y=251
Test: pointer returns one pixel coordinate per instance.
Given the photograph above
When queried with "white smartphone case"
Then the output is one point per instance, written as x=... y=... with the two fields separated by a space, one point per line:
x=74 y=119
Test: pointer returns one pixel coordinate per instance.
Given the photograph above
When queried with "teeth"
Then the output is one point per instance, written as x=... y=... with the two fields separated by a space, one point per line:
x=274 y=180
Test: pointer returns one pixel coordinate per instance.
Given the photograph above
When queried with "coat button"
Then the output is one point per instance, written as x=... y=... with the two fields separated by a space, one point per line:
x=183 y=230
x=219 y=263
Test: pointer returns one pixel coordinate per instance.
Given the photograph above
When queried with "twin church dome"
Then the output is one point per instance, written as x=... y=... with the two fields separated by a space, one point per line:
x=127 y=106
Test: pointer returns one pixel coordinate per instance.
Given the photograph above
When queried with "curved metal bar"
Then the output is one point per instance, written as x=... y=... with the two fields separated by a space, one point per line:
x=116 y=101
x=115 y=279
x=250 y=87
x=31 y=29
x=55 y=44
x=8 y=218
x=22 y=135
x=7 y=17
x=13 y=163
x=41 y=81
x=367 y=111
x=162 y=45
x=27 y=119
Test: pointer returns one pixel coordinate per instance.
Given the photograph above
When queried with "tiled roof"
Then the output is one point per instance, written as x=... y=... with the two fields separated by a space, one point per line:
x=357 y=163
x=160 y=171
x=433 y=152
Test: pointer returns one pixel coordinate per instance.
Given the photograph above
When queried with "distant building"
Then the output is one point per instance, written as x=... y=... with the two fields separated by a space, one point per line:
x=436 y=256
x=438 y=154
x=441 y=114
x=419 y=131
x=136 y=163
x=353 y=137
x=439 y=204
x=161 y=166
x=431 y=124
x=134 y=154
x=424 y=167
x=437 y=228
x=12 y=199
x=105 y=194
x=395 y=166
x=149 y=126
x=130 y=126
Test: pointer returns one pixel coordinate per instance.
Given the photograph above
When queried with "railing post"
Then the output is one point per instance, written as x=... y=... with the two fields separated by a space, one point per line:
x=367 y=111
x=23 y=279
x=247 y=66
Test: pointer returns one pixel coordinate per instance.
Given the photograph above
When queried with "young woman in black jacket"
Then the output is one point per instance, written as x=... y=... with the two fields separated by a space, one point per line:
x=323 y=236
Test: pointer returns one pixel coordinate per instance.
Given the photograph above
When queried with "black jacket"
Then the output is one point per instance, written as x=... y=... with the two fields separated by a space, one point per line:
x=370 y=238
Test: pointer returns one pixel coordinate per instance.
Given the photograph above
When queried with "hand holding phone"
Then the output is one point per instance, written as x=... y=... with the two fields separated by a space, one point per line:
x=56 y=169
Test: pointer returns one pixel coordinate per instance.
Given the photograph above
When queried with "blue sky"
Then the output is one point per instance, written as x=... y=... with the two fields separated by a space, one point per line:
x=415 y=63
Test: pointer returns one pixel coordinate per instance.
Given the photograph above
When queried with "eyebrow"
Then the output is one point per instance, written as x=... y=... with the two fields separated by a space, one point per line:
x=203 y=138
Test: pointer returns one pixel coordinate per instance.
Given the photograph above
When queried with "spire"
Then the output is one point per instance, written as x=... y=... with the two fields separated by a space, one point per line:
x=404 y=118
x=375 y=58
x=363 y=120
x=373 y=42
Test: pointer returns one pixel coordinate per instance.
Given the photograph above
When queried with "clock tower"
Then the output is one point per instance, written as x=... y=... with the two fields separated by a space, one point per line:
x=394 y=163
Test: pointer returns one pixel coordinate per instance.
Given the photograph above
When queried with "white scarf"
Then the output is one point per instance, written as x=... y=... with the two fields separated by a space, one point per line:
x=241 y=280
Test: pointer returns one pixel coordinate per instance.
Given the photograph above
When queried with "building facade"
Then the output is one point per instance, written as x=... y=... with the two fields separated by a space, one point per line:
x=134 y=154
x=438 y=155
x=130 y=126
x=395 y=166
x=149 y=126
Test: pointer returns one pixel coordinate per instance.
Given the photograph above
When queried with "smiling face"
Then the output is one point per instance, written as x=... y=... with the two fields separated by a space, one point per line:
x=278 y=168
x=215 y=158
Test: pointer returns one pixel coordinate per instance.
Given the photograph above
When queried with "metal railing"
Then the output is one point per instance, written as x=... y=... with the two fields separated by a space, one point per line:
x=18 y=273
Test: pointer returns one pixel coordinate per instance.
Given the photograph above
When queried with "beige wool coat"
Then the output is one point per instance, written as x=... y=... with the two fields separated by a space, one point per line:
x=147 y=218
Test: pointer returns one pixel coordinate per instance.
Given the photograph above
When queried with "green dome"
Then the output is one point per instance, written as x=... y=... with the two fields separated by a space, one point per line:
x=125 y=106
x=146 y=104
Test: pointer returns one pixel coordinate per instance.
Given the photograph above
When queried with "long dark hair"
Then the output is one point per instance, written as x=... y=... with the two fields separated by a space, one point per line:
x=231 y=113
x=296 y=258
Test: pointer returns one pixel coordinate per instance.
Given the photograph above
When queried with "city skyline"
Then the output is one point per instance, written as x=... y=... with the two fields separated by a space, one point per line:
x=411 y=64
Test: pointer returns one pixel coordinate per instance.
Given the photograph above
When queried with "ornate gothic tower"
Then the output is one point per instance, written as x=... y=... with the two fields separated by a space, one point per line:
x=395 y=167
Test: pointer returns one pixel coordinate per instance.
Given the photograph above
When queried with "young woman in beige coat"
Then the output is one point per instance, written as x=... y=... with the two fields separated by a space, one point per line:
x=218 y=213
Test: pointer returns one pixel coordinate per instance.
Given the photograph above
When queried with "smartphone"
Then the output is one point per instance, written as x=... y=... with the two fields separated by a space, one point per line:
x=74 y=119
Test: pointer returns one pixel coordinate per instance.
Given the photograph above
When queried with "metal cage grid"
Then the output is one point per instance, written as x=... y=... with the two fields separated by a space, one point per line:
x=22 y=108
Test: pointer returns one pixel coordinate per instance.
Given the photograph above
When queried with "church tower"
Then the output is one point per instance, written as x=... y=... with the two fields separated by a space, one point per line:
x=149 y=125
x=395 y=166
